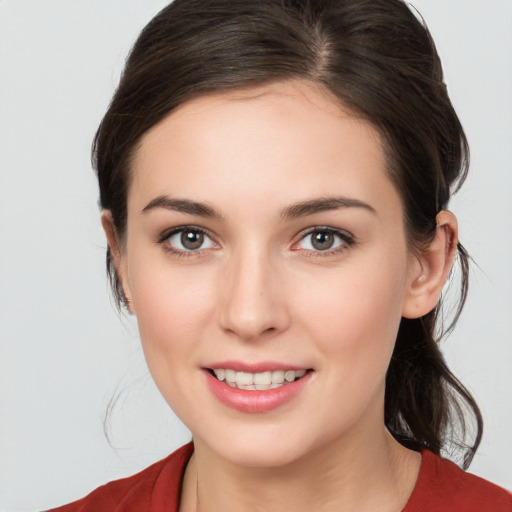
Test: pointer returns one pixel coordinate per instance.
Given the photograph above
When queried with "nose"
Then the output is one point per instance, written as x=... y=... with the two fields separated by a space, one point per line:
x=254 y=302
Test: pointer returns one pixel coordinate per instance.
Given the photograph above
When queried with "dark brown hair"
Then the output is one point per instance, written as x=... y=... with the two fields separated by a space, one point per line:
x=379 y=60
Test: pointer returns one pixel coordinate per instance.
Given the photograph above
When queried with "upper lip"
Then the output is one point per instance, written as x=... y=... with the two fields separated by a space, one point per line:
x=254 y=367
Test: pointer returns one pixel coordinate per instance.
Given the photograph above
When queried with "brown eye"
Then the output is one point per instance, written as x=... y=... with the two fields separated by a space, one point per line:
x=325 y=240
x=187 y=240
x=322 y=241
x=192 y=240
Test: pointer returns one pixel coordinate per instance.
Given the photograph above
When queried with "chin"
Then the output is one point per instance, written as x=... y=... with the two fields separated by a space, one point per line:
x=268 y=455
x=262 y=448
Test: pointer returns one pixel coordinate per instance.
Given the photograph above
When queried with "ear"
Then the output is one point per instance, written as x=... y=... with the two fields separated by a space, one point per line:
x=116 y=253
x=429 y=269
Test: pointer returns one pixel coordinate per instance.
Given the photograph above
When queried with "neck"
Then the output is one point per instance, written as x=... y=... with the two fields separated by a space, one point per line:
x=378 y=476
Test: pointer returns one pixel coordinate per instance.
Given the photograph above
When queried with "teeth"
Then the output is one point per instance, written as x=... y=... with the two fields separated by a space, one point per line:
x=289 y=376
x=258 y=381
x=244 y=379
x=278 y=377
x=220 y=374
x=250 y=387
x=230 y=375
x=263 y=378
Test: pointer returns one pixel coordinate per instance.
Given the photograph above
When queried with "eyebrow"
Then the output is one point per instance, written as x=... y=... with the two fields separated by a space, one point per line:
x=182 y=205
x=323 y=204
x=294 y=211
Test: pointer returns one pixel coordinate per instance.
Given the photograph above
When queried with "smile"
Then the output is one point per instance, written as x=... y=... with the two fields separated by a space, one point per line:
x=258 y=381
x=256 y=391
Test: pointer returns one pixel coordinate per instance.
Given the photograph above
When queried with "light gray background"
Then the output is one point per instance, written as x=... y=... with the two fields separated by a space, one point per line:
x=63 y=351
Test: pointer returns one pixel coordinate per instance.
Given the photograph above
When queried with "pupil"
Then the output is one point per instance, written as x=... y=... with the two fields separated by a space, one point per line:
x=192 y=239
x=322 y=241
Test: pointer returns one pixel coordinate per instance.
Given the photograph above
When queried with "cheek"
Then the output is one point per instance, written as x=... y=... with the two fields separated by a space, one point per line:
x=171 y=306
x=172 y=309
x=356 y=340
x=354 y=315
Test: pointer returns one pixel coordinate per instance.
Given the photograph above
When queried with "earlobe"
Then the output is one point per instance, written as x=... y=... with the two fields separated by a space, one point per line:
x=114 y=245
x=431 y=268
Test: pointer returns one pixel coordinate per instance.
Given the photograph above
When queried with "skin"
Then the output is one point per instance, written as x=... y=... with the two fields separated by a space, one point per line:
x=258 y=290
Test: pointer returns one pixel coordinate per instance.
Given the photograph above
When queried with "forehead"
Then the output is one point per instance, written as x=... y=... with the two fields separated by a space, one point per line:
x=284 y=139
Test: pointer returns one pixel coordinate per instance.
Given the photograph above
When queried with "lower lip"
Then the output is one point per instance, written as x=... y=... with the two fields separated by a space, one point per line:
x=244 y=400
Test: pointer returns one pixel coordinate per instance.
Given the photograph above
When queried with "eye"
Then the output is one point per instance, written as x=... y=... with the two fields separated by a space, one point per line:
x=325 y=240
x=187 y=239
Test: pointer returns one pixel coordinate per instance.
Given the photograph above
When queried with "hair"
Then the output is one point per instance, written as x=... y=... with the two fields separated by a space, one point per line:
x=379 y=60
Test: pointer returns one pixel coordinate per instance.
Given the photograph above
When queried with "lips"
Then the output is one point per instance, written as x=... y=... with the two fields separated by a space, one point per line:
x=264 y=388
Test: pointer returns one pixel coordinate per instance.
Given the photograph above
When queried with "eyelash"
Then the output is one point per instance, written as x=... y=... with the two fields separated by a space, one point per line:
x=347 y=241
x=181 y=253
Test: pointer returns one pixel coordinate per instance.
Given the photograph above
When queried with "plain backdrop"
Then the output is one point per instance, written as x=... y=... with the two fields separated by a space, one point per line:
x=64 y=353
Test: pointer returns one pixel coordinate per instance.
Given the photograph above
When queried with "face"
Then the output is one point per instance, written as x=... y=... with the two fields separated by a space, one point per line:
x=264 y=242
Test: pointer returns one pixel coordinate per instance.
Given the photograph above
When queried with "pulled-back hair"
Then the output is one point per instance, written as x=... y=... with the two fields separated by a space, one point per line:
x=379 y=60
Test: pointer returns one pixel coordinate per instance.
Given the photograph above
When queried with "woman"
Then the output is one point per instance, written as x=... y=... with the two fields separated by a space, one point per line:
x=274 y=178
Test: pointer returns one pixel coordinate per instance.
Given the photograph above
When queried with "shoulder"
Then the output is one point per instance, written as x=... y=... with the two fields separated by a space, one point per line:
x=443 y=487
x=157 y=485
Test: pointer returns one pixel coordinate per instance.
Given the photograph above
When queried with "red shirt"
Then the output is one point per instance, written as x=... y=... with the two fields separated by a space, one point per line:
x=441 y=487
